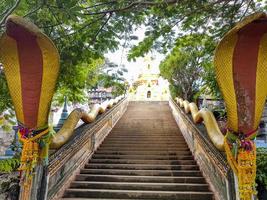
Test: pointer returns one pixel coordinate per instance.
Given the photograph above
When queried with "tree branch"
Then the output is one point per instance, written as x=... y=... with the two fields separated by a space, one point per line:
x=133 y=4
x=100 y=4
x=101 y=28
x=83 y=27
x=245 y=12
x=33 y=11
x=9 y=12
x=52 y=25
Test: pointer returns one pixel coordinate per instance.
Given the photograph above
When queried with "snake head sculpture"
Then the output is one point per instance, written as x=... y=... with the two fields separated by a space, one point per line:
x=31 y=65
x=241 y=70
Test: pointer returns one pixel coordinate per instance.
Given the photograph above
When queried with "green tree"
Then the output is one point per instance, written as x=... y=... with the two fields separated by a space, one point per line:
x=5 y=100
x=187 y=65
x=111 y=75
x=85 y=76
x=168 y=20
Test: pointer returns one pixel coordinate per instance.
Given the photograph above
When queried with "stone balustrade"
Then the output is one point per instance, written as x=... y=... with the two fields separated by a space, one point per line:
x=212 y=162
x=66 y=161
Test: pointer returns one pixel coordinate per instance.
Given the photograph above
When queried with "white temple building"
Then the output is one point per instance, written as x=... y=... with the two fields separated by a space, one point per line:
x=149 y=86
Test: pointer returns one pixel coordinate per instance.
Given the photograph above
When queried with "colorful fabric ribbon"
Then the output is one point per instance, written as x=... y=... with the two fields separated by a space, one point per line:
x=35 y=150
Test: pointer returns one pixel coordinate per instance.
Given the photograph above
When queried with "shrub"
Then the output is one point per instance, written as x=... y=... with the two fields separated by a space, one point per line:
x=9 y=165
x=261 y=177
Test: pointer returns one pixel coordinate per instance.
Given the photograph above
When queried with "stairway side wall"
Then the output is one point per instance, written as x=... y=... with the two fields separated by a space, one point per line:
x=212 y=162
x=67 y=161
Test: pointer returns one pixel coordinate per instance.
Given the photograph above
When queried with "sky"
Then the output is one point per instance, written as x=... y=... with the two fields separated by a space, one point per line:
x=135 y=67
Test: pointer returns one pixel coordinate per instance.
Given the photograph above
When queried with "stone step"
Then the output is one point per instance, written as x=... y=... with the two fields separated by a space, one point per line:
x=142 y=172
x=140 y=186
x=141 y=179
x=145 y=148
x=140 y=152
x=146 y=157
x=141 y=166
x=146 y=134
x=130 y=194
x=144 y=145
x=67 y=198
x=133 y=161
x=151 y=132
x=143 y=142
x=148 y=137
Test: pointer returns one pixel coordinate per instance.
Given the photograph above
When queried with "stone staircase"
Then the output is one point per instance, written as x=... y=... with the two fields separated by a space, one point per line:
x=144 y=157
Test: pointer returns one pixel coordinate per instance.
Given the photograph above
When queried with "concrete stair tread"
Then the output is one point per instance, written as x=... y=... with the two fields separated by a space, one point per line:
x=139 y=178
x=137 y=161
x=153 y=192
x=146 y=147
x=138 y=183
x=157 y=139
x=146 y=157
x=142 y=172
x=103 y=159
x=145 y=138
x=140 y=154
x=118 y=164
x=139 y=186
x=133 y=194
x=136 y=152
x=116 y=141
x=139 y=166
x=71 y=198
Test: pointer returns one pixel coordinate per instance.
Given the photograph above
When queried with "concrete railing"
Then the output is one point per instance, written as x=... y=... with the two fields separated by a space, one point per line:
x=65 y=163
x=212 y=162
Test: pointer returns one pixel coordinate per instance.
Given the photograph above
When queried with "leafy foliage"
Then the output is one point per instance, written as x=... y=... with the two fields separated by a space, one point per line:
x=168 y=20
x=5 y=100
x=187 y=64
x=261 y=175
x=7 y=121
x=9 y=165
x=84 y=76
x=112 y=76
x=174 y=90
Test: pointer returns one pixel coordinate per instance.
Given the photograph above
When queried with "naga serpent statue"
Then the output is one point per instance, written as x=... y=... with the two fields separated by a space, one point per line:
x=31 y=66
x=241 y=72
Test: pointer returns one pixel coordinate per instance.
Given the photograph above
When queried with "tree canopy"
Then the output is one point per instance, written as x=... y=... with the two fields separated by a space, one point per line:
x=84 y=30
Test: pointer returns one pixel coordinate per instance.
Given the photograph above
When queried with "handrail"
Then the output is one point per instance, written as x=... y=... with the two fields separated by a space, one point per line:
x=66 y=161
x=212 y=161
x=67 y=130
x=209 y=120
